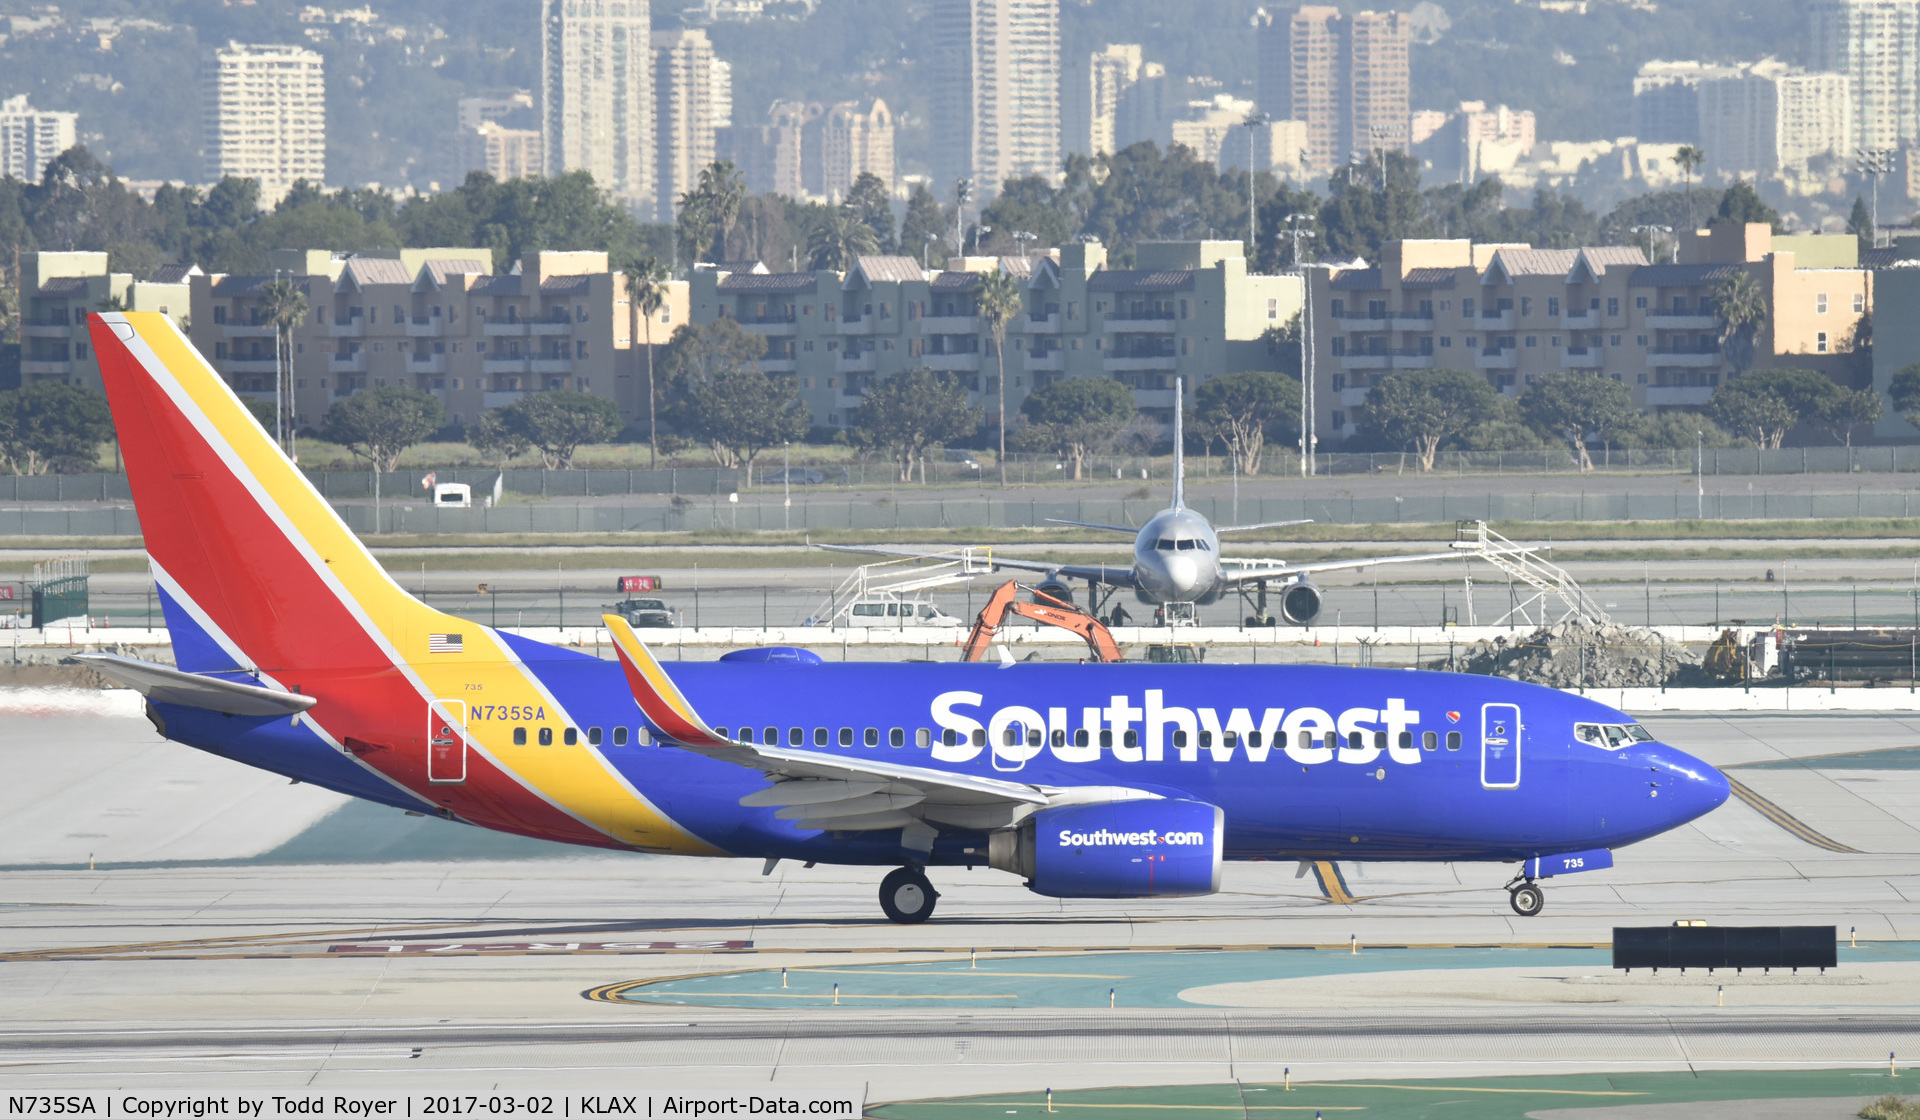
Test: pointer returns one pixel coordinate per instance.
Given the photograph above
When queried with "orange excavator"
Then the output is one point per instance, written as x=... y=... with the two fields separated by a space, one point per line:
x=1043 y=609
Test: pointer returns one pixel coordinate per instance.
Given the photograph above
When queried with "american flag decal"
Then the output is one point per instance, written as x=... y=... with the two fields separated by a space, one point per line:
x=444 y=643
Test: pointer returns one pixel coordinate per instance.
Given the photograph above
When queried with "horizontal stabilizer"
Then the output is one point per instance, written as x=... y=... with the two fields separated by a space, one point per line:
x=191 y=690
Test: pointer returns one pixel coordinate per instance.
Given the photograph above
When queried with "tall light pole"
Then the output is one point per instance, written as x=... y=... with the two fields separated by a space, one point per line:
x=1306 y=339
x=1650 y=230
x=1254 y=123
x=1874 y=162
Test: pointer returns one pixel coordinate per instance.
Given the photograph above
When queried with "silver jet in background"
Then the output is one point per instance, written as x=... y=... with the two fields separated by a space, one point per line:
x=1177 y=565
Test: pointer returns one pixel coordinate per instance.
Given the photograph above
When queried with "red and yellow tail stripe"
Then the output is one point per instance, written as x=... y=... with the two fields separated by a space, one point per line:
x=261 y=556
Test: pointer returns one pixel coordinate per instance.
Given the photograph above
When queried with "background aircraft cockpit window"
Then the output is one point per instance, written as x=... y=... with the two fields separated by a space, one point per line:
x=1164 y=544
x=1184 y=546
x=1617 y=736
x=619 y=736
x=1590 y=734
x=1611 y=736
x=1639 y=734
x=1453 y=740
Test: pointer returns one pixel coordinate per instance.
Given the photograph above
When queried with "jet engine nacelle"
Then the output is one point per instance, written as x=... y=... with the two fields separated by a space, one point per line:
x=1300 y=603
x=1122 y=849
x=1055 y=586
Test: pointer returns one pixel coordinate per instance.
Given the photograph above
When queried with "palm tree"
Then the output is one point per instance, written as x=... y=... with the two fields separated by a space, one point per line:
x=646 y=291
x=114 y=303
x=1741 y=306
x=723 y=189
x=997 y=300
x=840 y=239
x=283 y=305
x=1690 y=159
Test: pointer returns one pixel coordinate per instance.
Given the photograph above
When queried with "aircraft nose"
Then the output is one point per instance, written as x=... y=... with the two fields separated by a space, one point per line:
x=1691 y=788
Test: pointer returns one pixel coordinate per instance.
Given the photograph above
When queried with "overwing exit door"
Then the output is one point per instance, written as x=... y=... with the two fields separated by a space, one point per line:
x=1500 y=746
x=447 y=742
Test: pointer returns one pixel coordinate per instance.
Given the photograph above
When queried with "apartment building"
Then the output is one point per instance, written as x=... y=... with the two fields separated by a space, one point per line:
x=995 y=90
x=1771 y=117
x=59 y=289
x=1666 y=99
x=810 y=150
x=440 y=321
x=1472 y=141
x=597 y=95
x=265 y=116
x=30 y=138
x=1111 y=72
x=1876 y=44
x=1516 y=314
x=855 y=140
x=1346 y=77
x=685 y=117
x=1189 y=310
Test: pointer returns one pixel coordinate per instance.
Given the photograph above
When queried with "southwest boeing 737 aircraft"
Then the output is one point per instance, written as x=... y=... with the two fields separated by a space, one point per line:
x=296 y=653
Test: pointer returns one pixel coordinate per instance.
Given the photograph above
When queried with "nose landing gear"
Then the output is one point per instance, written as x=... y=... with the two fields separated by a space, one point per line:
x=1526 y=897
x=906 y=896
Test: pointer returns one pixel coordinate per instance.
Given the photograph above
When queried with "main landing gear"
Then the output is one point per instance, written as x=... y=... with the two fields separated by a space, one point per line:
x=1526 y=897
x=907 y=896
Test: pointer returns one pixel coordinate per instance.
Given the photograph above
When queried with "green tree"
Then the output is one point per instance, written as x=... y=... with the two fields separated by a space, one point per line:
x=1743 y=204
x=1740 y=304
x=839 y=240
x=1577 y=407
x=1373 y=203
x=283 y=305
x=48 y=426
x=559 y=422
x=1077 y=417
x=1029 y=204
x=721 y=397
x=379 y=424
x=1767 y=403
x=869 y=200
x=911 y=411
x=1849 y=410
x=997 y=300
x=709 y=210
x=1904 y=392
x=1247 y=409
x=1677 y=431
x=1690 y=159
x=1860 y=224
x=646 y=280
x=494 y=437
x=924 y=226
x=1422 y=409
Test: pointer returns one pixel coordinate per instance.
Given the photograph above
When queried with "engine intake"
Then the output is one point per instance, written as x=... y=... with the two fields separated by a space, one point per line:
x=1121 y=849
x=1300 y=603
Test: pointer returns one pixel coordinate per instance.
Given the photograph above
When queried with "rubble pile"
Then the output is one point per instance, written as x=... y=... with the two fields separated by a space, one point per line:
x=1577 y=655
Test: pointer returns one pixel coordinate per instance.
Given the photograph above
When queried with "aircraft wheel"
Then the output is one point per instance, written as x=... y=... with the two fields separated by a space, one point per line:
x=1527 y=899
x=907 y=896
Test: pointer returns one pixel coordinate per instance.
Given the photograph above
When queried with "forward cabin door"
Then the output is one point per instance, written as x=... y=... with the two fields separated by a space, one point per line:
x=447 y=742
x=1500 y=746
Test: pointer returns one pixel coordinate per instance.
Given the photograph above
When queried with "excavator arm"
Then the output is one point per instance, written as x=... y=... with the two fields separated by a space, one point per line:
x=1044 y=609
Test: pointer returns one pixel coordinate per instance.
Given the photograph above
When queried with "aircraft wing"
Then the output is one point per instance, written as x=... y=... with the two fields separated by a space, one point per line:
x=1116 y=575
x=1262 y=525
x=1130 y=530
x=817 y=790
x=1235 y=572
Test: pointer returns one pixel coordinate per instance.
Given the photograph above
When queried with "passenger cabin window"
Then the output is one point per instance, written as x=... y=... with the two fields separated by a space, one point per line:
x=619 y=736
x=819 y=736
x=571 y=736
x=1429 y=740
x=872 y=737
x=796 y=737
x=546 y=736
x=519 y=736
x=772 y=737
x=922 y=737
x=897 y=737
x=593 y=736
x=1453 y=740
x=643 y=736
x=950 y=737
x=846 y=736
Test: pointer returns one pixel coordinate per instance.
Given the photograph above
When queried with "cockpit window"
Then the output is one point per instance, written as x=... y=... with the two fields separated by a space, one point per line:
x=1164 y=544
x=1185 y=546
x=1611 y=736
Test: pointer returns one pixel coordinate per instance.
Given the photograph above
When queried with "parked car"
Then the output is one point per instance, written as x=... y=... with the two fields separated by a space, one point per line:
x=898 y=614
x=799 y=475
x=643 y=612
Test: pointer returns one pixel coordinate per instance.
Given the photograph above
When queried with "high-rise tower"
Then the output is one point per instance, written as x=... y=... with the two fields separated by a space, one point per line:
x=597 y=91
x=996 y=91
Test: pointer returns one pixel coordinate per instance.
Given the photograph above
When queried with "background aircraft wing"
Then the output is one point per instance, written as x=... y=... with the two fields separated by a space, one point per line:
x=1234 y=572
x=1130 y=530
x=1118 y=575
x=816 y=790
x=1262 y=525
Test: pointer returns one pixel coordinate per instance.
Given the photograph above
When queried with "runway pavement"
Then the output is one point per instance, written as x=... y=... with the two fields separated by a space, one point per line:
x=196 y=954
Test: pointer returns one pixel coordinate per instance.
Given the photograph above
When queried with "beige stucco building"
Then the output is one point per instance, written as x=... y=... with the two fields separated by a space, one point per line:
x=1516 y=313
x=59 y=289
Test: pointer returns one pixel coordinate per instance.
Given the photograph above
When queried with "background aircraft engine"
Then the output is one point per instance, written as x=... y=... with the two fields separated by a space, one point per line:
x=1056 y=587
x=1122 y=849
x=1300 y=603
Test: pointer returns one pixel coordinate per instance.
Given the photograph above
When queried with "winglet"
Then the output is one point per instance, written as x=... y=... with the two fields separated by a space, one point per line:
x=659 y=698
x=1179 y=451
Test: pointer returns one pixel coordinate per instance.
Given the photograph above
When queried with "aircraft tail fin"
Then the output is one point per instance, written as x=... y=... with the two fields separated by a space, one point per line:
x=256 y=572
x=1179 y=449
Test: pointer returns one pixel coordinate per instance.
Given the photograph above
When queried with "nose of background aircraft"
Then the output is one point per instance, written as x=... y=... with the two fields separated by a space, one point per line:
x=1691 y=788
